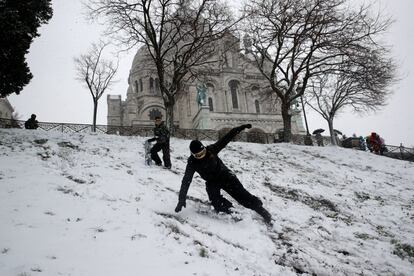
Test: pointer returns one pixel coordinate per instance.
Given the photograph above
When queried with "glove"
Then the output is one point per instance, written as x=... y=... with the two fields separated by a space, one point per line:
x=242 y=127
x=151 y=140
x=180 y=205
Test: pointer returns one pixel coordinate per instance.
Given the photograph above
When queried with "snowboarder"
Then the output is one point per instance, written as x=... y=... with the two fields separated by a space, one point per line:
x=31 y=123
x=162 y=136
x=205 y=161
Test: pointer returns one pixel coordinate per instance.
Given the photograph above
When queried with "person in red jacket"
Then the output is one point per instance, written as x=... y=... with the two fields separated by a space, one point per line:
x=375 y=142
x=205 y=161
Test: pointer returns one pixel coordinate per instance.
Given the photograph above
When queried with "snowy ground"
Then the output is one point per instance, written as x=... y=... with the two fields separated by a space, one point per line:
x=81 y=204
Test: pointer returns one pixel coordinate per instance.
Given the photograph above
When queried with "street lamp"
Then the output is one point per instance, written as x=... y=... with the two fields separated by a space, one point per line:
x=308 y=139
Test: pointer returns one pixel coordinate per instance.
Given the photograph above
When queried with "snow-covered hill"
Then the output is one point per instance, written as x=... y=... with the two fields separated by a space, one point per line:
x=82 y=204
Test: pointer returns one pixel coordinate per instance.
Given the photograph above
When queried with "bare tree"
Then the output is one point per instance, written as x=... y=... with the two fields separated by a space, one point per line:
x=97 y=73
x=294 y=41
x=179 y=35
x=363 y=86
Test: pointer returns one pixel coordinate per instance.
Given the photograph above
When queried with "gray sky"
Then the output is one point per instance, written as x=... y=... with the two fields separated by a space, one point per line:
x=56 y=96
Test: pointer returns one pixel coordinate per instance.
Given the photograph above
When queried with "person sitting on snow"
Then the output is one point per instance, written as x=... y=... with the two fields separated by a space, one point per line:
x=205 y=161
x=31 y=123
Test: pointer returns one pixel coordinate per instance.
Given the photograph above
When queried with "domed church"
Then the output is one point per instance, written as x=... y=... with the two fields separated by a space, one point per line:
x=229 y=93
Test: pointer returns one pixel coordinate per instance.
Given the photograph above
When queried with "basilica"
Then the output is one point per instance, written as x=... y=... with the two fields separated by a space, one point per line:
x=233 y=92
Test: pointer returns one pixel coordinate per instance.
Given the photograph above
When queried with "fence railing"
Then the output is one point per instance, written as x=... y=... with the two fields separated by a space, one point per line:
x=201 y=134
x=398 y=152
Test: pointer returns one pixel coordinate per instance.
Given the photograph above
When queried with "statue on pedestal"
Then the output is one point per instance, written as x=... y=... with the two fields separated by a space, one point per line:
x=201 y=94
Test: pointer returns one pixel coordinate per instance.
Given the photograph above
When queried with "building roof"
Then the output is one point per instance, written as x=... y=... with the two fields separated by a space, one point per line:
x=7 y=103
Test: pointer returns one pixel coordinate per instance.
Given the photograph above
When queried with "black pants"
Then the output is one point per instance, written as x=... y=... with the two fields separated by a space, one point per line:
x=165 y=147
x=231 y=184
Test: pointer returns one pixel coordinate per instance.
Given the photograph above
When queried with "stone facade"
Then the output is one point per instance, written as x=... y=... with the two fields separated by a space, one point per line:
x=6 y=110
x=235 y=95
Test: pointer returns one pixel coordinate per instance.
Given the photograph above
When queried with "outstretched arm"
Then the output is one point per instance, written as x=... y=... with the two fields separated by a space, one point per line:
x=185 y=185
x=222 y=143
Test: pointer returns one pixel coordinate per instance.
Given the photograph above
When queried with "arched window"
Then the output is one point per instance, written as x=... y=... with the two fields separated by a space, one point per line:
x=233 y=89
x=136 y=87
x=151 y=85
x=210 y=104
x=257 y=105
x=157 y=86
x=210 y=88
x=154 y=113
x=140 y=85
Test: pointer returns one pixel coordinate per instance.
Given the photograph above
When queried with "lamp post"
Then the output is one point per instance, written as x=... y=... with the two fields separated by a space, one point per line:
x=308 y=139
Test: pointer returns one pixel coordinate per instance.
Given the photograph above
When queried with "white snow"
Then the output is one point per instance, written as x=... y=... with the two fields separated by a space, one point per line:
x=85 y=204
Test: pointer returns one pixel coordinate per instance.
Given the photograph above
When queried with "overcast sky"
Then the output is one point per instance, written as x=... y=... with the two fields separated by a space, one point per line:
x=56 y=96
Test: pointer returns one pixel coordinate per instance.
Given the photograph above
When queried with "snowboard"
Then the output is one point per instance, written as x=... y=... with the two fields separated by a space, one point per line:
x=147 y=148
x=234 y=216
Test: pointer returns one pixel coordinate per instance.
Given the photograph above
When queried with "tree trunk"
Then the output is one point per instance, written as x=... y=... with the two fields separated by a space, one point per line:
x=287 y=123
x=332 y=132
x=95 y=112
x=169 y=112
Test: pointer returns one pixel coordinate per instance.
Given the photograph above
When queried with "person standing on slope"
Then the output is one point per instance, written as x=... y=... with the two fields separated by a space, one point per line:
x=205 y=161
x=162 y=136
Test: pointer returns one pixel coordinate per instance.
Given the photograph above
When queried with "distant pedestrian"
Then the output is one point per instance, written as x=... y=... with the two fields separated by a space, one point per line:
x=362 y=145
x=375 y=142
x=31 y=123
x=162 y=136
x=319 y=139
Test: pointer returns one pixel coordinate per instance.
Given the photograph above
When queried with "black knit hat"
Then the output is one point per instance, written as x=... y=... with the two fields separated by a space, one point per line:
x=196 y=146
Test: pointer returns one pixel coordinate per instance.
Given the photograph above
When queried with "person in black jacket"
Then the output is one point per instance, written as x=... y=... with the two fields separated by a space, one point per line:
x=31 y=123
x=205 y=161
x=162 y=136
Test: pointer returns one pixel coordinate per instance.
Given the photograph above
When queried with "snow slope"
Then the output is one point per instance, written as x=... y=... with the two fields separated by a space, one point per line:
x=84 y=204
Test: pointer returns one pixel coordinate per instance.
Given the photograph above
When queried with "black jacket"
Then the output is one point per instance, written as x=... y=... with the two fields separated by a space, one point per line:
x=31 y=124
x=210 y=168
x=161 y=133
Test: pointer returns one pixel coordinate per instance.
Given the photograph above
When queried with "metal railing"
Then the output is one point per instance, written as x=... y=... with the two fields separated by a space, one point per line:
x=398 y=152
x=200 y=134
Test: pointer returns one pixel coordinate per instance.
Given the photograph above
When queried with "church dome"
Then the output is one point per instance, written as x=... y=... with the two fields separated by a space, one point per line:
x=142 y=60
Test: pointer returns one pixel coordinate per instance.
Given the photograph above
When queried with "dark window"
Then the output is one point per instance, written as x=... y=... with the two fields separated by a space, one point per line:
x=136 y=86
x=140 y=85
x=151 y=85
x=233 y=88
x=210 y=104
x=154 y=113
x=210 y=88
x=257 y=105
x=157 y=86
